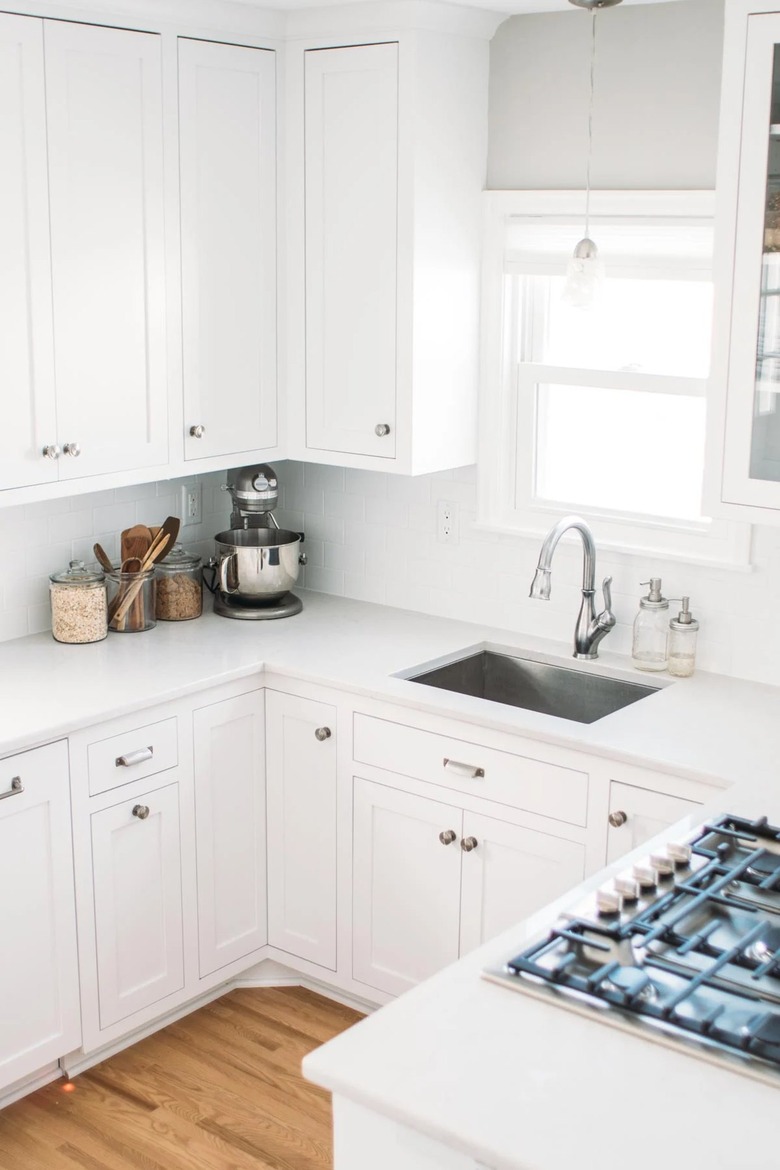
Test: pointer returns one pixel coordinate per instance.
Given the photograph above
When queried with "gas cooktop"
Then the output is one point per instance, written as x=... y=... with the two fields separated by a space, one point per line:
x=684 y=948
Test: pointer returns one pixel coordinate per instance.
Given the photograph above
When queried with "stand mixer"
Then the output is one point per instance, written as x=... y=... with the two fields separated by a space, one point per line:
x=256 y=562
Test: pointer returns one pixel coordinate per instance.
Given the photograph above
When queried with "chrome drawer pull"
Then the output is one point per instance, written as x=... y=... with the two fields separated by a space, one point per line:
x=467 y=770
x=15 y=789
x=323 y=733
x=130 y=758
x=141 y=811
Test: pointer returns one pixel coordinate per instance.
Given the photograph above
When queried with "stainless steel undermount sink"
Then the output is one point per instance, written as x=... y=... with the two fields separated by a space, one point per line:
x=582 y=696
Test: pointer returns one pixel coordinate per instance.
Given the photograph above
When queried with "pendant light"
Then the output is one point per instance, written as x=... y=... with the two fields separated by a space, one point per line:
x=586 y=270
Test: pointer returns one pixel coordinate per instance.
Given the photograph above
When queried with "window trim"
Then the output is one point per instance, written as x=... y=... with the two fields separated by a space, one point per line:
x=720 y=543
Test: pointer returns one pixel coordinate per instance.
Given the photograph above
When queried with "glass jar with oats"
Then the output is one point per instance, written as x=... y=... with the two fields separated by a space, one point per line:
x=78 y=604
x=179 y=586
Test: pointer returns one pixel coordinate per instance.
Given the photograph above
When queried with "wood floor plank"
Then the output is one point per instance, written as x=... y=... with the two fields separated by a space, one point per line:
x=220 y=1089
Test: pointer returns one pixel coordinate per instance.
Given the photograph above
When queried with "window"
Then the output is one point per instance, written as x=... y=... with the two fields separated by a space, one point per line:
x=601 y=411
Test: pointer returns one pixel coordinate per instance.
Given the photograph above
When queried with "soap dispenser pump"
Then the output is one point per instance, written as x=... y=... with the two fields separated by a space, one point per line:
x=651 y=629
x=682 y=642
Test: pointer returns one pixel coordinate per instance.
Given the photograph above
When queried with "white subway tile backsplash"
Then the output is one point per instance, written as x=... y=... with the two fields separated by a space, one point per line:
x=49 y=534
x=372 y=536
x=486 y=576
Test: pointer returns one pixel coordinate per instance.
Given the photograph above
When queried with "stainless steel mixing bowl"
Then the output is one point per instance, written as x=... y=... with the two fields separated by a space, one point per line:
x=257 y=564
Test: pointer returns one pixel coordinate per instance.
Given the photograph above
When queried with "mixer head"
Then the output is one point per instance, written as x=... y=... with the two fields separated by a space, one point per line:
x=254 y=490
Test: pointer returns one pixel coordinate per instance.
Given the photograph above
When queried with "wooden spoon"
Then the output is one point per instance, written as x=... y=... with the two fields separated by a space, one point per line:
x=102 y=558
x=135 y=541
x=162 y=543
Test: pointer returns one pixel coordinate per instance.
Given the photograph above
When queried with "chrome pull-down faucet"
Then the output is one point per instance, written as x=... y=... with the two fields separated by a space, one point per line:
x=590 y=628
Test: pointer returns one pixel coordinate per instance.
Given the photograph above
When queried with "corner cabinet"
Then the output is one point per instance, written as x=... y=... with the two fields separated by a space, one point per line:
x=227 y=164
x=229 y=771
x=744 y=454
x=387 y=164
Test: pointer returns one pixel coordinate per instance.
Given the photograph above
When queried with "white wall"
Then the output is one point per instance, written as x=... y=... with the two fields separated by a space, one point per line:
x=656 y=98
x=40 y=539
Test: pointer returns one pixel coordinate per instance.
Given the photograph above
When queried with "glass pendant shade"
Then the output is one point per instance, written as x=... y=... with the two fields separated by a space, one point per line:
x=584 y=276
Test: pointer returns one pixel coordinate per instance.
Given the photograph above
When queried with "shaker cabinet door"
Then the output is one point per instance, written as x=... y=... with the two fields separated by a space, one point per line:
x=230 y=830
x=637 y=814
x=136 y=860
x=351 y=193
x=227 y=160
x=301 y=762
x=104 y=114
x=39 y=994
x=29 y=421
x=509 y=873
x=406 y=886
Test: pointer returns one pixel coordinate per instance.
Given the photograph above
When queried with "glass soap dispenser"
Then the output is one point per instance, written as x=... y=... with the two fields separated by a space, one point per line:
x=682 y=642
x=651 y=629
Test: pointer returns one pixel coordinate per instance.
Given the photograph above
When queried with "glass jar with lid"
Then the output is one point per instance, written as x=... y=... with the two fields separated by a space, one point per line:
x=179 y=586
x=78 y=604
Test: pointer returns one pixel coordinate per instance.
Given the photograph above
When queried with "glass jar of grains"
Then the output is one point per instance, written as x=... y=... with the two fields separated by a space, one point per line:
x=179 y=586
x=78 y=604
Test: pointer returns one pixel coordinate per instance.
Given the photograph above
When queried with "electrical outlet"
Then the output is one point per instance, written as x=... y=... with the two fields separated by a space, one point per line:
x=191 y=506
x=447 y=526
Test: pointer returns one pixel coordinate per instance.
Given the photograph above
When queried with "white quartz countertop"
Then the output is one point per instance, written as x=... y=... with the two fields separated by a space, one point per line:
x=707 y=727
x=522 y=1084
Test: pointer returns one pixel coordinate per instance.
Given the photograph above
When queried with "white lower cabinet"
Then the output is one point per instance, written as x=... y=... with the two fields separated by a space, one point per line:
x=406 y=886
x=229 y=767
x=39 y=992
x=508 y=874
x=301 y=767
x=432 y=881
x=136 y=860
x=637 y=814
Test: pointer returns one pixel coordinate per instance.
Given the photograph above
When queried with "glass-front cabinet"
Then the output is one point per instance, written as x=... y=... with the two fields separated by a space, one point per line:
x=749 y=274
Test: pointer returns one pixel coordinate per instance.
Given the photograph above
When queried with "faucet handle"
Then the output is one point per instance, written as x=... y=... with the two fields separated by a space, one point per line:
x=606 y=618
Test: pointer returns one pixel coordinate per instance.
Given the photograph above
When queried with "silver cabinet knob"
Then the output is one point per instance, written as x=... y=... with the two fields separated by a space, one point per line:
x=447 y=836
x=141 y=811
x=618 y=819
x=323 y=733
x=198 y=432
x=51 y=451
x=72 y=449
x=382 y=429
x=468 y=843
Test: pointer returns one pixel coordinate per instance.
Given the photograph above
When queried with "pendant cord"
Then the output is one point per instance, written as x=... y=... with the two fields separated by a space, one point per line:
x=590 y=120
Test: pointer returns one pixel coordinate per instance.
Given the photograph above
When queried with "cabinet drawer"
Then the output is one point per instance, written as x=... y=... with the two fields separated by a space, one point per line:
x=132 y=755
x=546 y=789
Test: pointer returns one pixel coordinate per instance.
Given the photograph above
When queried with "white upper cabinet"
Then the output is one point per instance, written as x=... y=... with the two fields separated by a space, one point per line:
x=104 y=115
x=744 y=455
x=387 y=149
x=26 y=349
x=227 y=159
x=351 y=134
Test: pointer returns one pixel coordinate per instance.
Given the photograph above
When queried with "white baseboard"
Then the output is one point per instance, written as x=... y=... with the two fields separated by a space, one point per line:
x=268 y=973
x=294 y=979
x=78 y=1062
x=22 y=1088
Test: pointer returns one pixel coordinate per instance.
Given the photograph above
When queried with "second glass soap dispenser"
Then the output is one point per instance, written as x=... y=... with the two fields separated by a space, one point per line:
x=649 y=649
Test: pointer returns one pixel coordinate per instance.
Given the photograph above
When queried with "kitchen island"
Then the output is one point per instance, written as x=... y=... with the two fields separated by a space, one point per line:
x=461 y=1073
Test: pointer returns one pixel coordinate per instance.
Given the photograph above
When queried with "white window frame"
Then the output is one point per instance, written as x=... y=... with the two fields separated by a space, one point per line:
x=503 y=409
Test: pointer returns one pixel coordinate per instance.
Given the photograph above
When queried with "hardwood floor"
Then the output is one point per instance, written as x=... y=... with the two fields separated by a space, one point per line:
x=219 y=1090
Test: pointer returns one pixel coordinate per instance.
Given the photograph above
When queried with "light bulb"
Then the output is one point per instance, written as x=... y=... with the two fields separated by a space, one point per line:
x=584 y=276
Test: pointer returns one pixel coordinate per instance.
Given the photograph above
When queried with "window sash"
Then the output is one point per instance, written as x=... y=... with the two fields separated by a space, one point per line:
x=501 y=508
